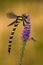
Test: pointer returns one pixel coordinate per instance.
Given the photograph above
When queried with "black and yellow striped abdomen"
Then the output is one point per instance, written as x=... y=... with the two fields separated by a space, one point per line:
x=12 y=35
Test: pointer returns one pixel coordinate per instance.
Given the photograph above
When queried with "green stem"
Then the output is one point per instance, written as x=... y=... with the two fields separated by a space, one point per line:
x=21 y=52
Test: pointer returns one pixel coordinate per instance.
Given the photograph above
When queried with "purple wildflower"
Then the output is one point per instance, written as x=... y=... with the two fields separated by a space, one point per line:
x=26 y=31
x=25 y=37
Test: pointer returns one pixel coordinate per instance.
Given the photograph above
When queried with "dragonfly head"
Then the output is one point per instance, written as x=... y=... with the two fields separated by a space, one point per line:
x=25 y=15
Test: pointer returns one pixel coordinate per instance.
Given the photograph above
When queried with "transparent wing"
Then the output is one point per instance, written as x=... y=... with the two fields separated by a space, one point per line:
x=11 y=15
x=12 y=23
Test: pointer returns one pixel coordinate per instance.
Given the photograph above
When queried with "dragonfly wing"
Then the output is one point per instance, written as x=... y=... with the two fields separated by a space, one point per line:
x=12 y=23
x=11 y=15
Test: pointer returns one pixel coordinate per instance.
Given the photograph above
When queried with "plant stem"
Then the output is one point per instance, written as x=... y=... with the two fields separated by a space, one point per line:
x=21 y=52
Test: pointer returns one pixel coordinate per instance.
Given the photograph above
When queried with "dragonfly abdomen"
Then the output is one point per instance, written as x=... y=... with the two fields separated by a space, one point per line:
x=11 y=36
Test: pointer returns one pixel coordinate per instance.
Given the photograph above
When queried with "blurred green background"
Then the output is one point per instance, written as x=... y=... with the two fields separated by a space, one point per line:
x=33 y=54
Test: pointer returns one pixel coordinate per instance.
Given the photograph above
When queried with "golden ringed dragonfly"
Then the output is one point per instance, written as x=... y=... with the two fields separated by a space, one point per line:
x=11 y=15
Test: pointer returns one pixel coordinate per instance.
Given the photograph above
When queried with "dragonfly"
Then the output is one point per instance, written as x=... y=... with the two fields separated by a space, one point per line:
x=11 y=15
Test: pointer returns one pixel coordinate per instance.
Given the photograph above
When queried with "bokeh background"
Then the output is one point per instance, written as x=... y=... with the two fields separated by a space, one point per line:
x=33 y=54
